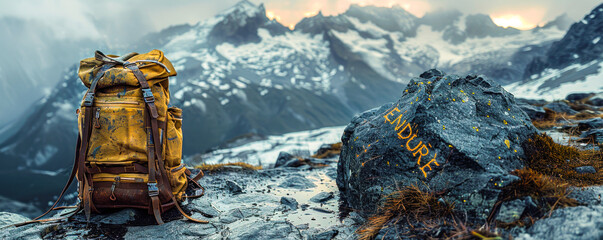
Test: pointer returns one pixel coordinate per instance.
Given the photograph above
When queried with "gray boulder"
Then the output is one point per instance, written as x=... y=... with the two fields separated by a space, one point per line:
x=590 y=124
x=569 y=223
x=578 y=96
x=595 y=134
x=596 y=100
x=534 y=112
x=455 y=135
x=561 y=106
x=285 y=159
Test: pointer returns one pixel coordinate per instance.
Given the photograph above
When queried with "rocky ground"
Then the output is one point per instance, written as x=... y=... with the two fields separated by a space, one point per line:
x=296 y=195
x=278 y=203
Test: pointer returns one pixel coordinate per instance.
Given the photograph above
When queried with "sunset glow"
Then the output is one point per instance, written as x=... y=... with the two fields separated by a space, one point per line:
x=270 y=15
x=515 y=21
x=524 y=18
x=310 y=14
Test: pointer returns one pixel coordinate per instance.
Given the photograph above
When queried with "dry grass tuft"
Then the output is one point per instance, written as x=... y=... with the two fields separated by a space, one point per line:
x=540 y=187
x=410 y=205
x=549 y=194
x=558 y=161
x=551 y=118
x=331 y=152
x=224 y=166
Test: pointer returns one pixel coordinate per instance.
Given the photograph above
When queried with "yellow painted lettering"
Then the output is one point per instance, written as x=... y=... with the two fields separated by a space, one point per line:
x=423 y=151
x=399 y=125
x=407 y=126
x=427 y=165
x=416 y=147
x=391 y=113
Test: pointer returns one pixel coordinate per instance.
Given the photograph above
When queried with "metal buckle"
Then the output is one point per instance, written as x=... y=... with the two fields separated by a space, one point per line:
x=147 y=94
x=88 y=99
x=153 y=190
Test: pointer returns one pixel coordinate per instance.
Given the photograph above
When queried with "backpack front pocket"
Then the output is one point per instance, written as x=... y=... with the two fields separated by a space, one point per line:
x=118 y=133
x=173 y=138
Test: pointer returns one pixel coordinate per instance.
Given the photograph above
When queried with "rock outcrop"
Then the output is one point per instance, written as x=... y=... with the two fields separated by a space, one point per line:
x=456 y=135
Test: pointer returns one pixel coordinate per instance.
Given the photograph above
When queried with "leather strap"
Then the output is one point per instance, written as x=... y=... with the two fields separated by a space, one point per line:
x=152 y=185
x=199 y=176
x=71 y=177
x=150 y=103
x=63 y=217
x=184 y=214
x=198 y=186
x=86 y=200
x=156 y=209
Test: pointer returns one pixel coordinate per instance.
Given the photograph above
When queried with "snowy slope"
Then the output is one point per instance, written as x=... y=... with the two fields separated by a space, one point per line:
x=265 y=152
x=572 y=64
x=555 y=84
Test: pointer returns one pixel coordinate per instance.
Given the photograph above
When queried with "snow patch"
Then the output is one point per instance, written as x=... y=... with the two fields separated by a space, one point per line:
x=43 y=155
x=196 y=103
x=533 y=89
x=373 y=51
x=265 y=152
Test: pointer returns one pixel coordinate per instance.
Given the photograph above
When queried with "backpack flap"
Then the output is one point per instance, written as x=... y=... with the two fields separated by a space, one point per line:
x=154 y=65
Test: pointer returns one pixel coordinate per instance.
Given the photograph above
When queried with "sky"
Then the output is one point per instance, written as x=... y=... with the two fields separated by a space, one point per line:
x=115 y=19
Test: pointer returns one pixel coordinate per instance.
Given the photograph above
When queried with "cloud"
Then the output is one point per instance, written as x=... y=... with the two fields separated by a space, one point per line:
x=115 y=20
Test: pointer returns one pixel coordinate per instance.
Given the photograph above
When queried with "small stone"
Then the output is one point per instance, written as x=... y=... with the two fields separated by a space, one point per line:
x=585 y=169
x=511 y=211
x=322 y=197
x=285 y=159
x=289 y=202
x=233 y=187
x=303 y=226
x=297 y=182
x=327 y=235
x=203 y=206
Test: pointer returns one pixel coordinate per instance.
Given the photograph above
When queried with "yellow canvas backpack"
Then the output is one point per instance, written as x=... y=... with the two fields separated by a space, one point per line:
x=129 y=147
